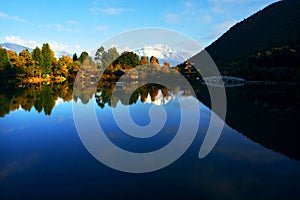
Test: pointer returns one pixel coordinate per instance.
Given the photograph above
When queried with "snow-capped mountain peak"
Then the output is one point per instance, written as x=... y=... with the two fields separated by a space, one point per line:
x=164 y=53
x=160 y=99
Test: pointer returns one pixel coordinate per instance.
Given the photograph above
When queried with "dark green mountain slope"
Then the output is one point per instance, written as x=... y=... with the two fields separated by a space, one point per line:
x=262 y=45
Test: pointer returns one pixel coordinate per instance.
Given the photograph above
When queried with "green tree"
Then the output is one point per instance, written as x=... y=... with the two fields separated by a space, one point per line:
x=75 y=57
x=25 y=56
x=47 y=100
x=127 y=60
x=26 y=62
x=64 y=63
x=84 y=55
x=37 y=56
x=106 y=58
x=4 y=59
x=112 y=54
x=99 y=54
x=48 y=55
x=6 y=69
x=74 y=68
x=13 y=57
x=54 y=65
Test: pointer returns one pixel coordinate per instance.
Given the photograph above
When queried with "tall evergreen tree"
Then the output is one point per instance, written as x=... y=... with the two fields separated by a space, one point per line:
x=4 y=59
x=75 y=57
x=83 y=56
x=37 y=56
x=6 y=69
x=25 y=57
x=47 y=59
x=127 y=60
x=105 y=58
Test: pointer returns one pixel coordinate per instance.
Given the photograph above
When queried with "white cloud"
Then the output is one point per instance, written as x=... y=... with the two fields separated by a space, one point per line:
x=110 y=11
x=9 y=17
x=77 y=47
x=119 y=49
x=61 y=28
x=55 y=46
x=17 y=40
x=172 y=18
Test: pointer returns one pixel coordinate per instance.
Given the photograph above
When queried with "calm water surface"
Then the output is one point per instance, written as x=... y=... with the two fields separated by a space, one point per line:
x=42 y=157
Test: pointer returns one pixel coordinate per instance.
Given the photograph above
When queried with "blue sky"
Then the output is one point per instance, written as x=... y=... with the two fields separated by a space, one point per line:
x=79 y=25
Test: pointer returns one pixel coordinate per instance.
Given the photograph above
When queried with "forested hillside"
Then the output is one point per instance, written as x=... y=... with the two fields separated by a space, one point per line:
x=264 y=46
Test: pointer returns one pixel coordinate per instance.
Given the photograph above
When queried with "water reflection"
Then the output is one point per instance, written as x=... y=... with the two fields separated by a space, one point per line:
x=268 y=116
x=43 y=97
x=111 y=95
x=40 y=96
x=18 y=166
x=42 y=156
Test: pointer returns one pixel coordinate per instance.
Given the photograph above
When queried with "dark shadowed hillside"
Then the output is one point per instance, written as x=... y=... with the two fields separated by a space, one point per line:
x=262 y=45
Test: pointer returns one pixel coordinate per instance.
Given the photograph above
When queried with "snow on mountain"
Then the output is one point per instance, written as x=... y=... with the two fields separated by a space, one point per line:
x=160 y=99
x=14 y=47
x=18 y=48
x=164 y=53
x=59 y=54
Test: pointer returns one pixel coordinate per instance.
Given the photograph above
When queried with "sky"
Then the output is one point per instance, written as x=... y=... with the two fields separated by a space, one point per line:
x=83 y=25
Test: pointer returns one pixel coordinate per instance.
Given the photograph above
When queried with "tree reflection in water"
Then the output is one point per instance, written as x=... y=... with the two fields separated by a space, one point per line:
x=266 y=116
x=41 y=96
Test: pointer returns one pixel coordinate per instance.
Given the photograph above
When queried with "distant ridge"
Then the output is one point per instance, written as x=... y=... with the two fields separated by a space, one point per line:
x=18 y=48
x=14 y=47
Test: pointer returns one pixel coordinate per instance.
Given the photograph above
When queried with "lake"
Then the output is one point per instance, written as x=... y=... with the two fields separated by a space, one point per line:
x=256 y=157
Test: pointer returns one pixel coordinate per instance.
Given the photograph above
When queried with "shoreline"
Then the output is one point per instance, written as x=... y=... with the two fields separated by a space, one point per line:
x=39 y=80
